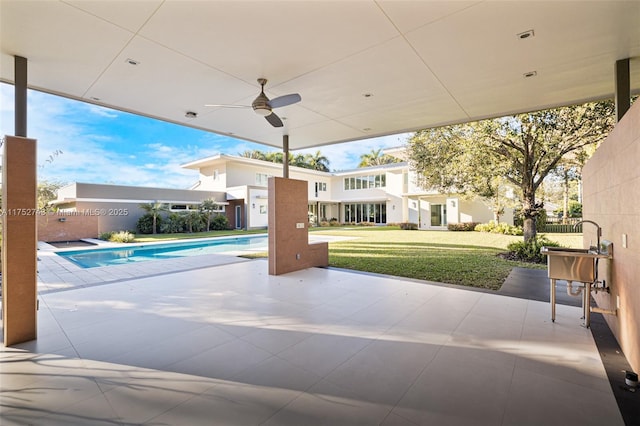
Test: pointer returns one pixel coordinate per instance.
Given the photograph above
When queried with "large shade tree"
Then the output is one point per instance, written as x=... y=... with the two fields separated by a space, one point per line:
x=523 y=149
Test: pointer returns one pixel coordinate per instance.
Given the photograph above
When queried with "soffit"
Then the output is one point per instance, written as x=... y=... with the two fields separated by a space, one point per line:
x=426 y=63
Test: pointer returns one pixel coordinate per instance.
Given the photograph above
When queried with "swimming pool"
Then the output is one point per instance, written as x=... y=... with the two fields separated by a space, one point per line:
x=142 y=253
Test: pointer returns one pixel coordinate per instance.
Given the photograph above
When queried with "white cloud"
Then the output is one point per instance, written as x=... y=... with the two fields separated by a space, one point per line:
x=96 y=151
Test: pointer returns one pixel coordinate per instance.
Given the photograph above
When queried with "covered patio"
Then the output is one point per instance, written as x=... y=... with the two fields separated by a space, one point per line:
x=235 y=344
x=318 y=346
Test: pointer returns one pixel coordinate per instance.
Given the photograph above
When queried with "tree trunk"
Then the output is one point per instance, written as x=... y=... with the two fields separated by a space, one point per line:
x=154 y=224
x=565 y=198
x=530 y=213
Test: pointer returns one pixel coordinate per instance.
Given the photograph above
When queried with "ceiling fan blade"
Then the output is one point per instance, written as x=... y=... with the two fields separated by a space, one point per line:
x=285 y=100
x=274 y=120
x=228 y=106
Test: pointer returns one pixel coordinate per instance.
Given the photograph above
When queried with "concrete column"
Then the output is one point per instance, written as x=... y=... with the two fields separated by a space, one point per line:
x=20 y=96
x=623 y=88
x=285 y=156
x=19 y=262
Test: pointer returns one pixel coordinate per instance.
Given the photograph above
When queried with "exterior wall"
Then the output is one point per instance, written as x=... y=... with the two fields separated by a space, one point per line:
x=117 y=207
x=289 y=248
x=258 y=208
x=611 y=198
x=477 y=211
x=60 y=227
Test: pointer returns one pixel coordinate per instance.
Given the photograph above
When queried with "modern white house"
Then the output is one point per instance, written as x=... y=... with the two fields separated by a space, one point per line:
x=379 y=194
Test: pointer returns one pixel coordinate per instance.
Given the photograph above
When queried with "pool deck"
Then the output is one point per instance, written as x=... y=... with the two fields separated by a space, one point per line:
x=214 y=339
x=55 y=273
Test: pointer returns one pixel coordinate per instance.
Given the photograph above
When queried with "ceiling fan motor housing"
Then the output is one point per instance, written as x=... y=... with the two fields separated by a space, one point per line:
x=261 y=105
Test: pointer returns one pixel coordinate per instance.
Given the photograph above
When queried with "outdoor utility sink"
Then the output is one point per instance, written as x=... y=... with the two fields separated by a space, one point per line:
x=572 y=264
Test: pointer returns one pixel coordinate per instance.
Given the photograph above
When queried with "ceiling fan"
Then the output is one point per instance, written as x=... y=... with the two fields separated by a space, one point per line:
x=264 y=106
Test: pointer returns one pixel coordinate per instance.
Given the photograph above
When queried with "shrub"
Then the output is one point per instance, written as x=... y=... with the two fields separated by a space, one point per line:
x=220 y=223
x=173 y=224
x=194 y=221
x=324 y=223
x=334 y=222
x=367 y=224
x=465 y=226
x=122 y=237
x=530 y=251
x=144 y=225
x=408 y=226
x=106 y=236
x=499 y=228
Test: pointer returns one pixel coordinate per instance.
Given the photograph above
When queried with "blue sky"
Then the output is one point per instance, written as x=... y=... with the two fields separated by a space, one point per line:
x=101 y=145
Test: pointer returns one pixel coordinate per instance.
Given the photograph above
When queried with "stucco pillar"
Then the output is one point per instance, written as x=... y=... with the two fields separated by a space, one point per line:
x=285 y=156
x=19 y=262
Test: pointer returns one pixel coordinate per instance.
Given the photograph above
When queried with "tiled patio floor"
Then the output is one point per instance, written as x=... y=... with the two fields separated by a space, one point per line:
x=231 y=345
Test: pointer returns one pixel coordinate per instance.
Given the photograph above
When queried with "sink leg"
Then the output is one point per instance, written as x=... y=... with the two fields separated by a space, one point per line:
x=586 y=301
x=552 y=297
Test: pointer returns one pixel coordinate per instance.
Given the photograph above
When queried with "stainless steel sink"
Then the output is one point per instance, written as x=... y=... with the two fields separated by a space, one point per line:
x=576 y=265
x=571 y=264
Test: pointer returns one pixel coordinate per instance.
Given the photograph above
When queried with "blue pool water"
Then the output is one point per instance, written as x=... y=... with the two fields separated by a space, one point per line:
x=143 y=253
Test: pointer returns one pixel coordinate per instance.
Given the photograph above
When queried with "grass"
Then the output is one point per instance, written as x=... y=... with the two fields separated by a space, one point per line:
x=147 y=238
x=463 y=258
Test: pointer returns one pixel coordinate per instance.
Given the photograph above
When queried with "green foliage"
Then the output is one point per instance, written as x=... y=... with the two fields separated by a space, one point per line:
x=529 y=251
x=144 y=225
x=575 y=209
x=122 y=237
x=315 y=161
x=376 y=158
x=464 y=226
x=220 y=223
x=155 y=210
x=541 y=220
x=173 y=223
x=524 y=149
x=105 y=236
x=194 y=221
x=47 y=192
x=408 y=226
x=499 y=228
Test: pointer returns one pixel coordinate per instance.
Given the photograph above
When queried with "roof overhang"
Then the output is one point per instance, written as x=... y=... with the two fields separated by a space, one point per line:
x=363 y=68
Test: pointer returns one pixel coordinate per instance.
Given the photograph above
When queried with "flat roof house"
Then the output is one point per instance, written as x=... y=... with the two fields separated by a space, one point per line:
x=379 y=194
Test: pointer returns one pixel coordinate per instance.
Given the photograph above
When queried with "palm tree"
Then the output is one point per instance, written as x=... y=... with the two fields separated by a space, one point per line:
x=154 y=209
x=317 y=161
x=256 y=154
x=208 y=208
x=376 y=158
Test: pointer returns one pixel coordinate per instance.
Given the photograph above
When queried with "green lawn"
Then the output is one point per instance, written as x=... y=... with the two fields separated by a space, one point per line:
x=464 y=258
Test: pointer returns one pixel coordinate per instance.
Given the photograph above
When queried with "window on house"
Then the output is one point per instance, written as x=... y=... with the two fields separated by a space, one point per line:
x=365 y=182
x=365 y=212
x=262 y=179
x=216 y=174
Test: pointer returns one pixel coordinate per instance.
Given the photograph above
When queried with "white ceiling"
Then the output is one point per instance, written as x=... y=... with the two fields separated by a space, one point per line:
x=426 y=63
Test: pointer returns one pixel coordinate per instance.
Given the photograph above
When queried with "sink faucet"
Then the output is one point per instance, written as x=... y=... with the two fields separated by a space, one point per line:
x=599 y=233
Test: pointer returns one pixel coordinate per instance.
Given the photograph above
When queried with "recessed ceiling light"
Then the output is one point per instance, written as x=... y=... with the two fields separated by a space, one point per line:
x=132 y=61
x=191 y=114
x=530 y=74
x=367 y=95
x=93 y=98
x=526 y=34
x=367 y=129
